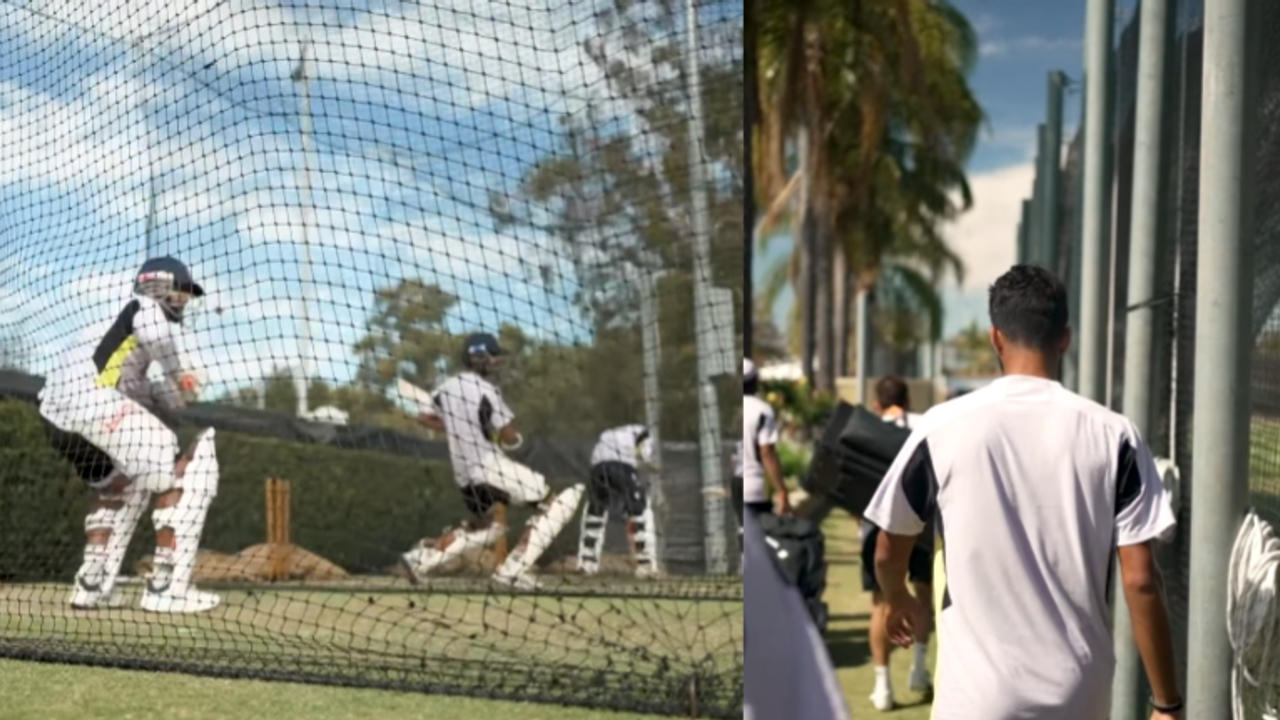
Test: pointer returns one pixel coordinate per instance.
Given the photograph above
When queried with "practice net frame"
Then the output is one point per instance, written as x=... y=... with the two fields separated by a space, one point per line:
x=357 y=188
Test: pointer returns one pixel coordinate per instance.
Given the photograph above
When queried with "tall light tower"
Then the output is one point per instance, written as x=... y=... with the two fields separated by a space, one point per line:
x=302 y=78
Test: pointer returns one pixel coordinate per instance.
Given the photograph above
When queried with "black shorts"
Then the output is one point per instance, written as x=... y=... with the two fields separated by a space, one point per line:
x=615 y=486
x=480 y=499
x=919 y=567
x=92 y=464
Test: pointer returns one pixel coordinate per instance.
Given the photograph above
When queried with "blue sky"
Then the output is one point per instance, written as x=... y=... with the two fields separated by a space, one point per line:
x=1019 y=43
x=420 y=112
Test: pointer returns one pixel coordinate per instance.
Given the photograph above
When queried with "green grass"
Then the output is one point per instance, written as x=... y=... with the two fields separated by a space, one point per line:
x=1264 y=467
x=846 y=634
x=39 y=691
x=626 y=649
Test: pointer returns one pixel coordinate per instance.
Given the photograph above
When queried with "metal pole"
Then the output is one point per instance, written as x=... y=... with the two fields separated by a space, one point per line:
x=1224 y=289
x=750 y=107
x=1127 y=695
x=708 y=407
x=151 y=215
x=1035 y=241
x=650 y=340
x=1052 y=169
x=1095 y=271
x=301 y=77
x=1024 y=234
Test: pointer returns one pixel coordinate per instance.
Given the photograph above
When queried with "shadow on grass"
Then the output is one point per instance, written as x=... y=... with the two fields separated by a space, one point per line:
x=848 y=648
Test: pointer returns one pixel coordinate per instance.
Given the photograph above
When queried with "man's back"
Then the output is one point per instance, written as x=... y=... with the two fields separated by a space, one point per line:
x=473 y=411
x=1034 y=486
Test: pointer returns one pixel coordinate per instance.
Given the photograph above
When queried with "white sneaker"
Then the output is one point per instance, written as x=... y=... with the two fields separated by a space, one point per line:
x=520 y=581
x=646 y=571
x=193 y=601
x=882 y=699
x=920 y=680
x=84 y=599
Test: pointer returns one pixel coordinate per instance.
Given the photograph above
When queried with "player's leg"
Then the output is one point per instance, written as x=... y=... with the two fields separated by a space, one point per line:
x=486 y=525
x=642 y=534
x=878 y=633
x=184 y=488
x=920 y=571
x=554 y=511
x=595 y=518
x=109 y=524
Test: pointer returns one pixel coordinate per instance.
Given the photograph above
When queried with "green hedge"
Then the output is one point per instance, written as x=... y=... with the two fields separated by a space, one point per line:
x=356 y=508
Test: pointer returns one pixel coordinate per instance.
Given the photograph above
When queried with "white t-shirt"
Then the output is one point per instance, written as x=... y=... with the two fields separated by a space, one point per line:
x=473 y=412
x=118 y=359
x=1034 y=487
x=759 y=427
x=623 y=444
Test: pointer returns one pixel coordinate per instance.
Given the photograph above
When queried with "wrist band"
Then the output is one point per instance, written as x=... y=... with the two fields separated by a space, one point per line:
x=1173 y=708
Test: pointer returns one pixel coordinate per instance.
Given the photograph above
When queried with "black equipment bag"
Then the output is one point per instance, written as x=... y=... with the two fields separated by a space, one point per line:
x=854 y=453
x=799 y=551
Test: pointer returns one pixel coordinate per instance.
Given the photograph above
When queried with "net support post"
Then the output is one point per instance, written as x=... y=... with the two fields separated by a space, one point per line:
x=1052 y=170
x=1127 y=694
x=1095 y=261
x=1223 y=347
x=714 y=532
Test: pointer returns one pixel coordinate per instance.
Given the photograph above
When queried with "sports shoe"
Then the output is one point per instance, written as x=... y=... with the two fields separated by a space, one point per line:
x=193 y=601
x=519 y=581
x=882 y=699
x=85 y=599
x=920 y=680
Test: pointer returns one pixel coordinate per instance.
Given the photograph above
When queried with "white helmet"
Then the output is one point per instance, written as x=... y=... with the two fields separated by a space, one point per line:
x=748 y=371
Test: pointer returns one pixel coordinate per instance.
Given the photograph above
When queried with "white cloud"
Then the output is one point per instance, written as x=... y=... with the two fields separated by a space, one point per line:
x=986 y=236
x=1028 y=44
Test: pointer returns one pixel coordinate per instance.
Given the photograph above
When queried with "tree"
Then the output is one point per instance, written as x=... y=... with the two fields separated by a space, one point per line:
x=406 y=336
x=319 y=393
x=879 y=94
x=279 y=393
x=973 y=351
x=615 y=197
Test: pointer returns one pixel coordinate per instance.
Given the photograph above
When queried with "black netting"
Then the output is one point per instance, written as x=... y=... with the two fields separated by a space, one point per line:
x=357 y=188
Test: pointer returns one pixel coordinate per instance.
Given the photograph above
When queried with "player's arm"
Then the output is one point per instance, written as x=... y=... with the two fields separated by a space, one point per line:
x=906 y=497
x=773 y=475
x=1142 y=515
x=431 y=420
x=507 y=435
x=892 y=558
x=162 y=340
x=1144 y=591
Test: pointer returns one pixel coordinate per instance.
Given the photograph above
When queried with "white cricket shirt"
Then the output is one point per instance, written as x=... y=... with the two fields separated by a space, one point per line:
x=1034 y=487
x=623 y=444
x=759 y=427
x=473 y=412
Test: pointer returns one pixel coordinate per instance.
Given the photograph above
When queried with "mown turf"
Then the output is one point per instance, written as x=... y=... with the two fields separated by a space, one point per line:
x=617 y=652
x=846 y=634
x=42 y=691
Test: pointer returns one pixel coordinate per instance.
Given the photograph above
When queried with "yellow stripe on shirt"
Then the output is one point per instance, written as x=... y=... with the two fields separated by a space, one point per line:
x=109 y=376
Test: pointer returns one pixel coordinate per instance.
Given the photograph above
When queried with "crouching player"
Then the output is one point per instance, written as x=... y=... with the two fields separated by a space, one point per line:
x=615 y=485
x=99 y=405
x=470 y=411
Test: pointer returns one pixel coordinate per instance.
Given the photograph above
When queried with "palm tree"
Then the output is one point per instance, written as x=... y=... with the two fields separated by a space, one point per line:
x=879 y=91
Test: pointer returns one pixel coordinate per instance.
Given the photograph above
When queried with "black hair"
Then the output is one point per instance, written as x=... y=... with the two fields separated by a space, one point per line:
x=750 y=385
x=1028 y=304
x=892 y=390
